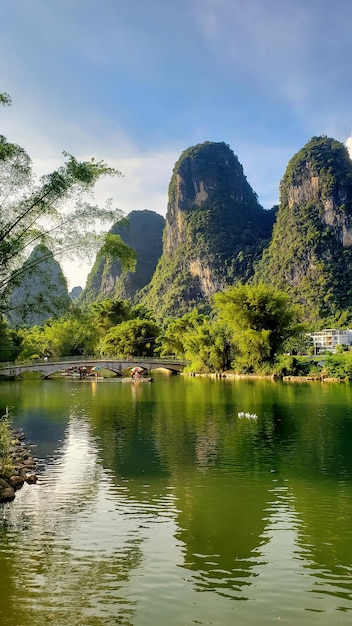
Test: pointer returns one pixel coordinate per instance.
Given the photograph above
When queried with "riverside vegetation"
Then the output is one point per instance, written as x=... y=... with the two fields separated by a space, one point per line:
x=249 y=330
x=236 y=288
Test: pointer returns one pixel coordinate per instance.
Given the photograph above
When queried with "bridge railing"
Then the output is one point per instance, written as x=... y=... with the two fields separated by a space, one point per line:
x=86 y=358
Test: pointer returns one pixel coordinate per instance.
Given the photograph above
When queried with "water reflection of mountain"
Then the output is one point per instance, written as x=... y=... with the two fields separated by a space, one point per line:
x=219 y=511
x=326 y=533
x=222 y=534
x=311 y=437
x=220 y=468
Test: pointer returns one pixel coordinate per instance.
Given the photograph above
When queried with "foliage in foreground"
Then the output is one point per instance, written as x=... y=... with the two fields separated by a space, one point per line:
x=53 y=211
x=6 y=465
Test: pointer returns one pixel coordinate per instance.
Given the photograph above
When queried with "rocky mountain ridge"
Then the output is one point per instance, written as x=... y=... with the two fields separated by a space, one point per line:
x=310 y=254
x=214 y=232
x=40 y=292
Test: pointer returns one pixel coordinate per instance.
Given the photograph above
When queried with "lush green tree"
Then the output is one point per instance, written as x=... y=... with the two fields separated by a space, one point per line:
x=260 y=318
x=141 y=312
x=109 y=313
x=299 y=343
x=173 y=339
x=10 y=342
x=207 y=347
x=33 y=343
x=73 y=334
x=5 y=99
x=339 y=366
x=203 y=342
x=135 y=337
x=53 y=211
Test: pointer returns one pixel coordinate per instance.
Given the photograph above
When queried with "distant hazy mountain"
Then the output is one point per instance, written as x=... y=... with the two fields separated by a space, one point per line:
x=143 y=233
x=75 y=293
x=40 y=292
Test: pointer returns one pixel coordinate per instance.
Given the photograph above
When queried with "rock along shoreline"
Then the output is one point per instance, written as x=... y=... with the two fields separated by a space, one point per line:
x=24 y=466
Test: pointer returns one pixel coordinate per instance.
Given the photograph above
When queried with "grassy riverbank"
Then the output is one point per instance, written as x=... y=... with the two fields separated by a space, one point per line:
x=326 y=367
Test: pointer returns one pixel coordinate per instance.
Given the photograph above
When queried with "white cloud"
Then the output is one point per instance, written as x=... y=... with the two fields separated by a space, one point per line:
x=349 y=145
x=146 y=174
x=144 y=185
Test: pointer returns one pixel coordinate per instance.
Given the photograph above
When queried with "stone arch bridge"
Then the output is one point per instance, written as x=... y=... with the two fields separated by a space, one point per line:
x=53 y=366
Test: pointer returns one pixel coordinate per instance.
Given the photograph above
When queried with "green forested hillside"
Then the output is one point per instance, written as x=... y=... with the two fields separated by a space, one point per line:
x=310 y=255
x=215 y=297
x=215 y=229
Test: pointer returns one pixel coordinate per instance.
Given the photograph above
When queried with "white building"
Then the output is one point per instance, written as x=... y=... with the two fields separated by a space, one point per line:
x=329 y=338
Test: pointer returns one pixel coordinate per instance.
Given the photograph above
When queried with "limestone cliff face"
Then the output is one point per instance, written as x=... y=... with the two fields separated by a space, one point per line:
x=311 y=250
x=208 y=282
x=143 y=233
x=311 y=188
x=215 y=229
x=40 y=291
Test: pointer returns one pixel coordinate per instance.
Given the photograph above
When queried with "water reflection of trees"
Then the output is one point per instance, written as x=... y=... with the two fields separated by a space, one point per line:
x=65 y=568
x=222 y=534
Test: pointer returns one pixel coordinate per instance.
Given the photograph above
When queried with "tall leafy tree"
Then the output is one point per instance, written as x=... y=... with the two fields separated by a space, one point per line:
x=205 y=343
x=108 y=313
x=53 y=211
x=10 y=342
x=135 y=337
x=174 y=339
x=73 y=334
x=260 y=318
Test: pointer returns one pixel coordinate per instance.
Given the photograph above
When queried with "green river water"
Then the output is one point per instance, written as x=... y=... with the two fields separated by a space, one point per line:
x=157 y=505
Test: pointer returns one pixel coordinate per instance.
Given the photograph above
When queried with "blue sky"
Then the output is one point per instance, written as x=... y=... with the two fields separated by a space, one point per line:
x=135 y=82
